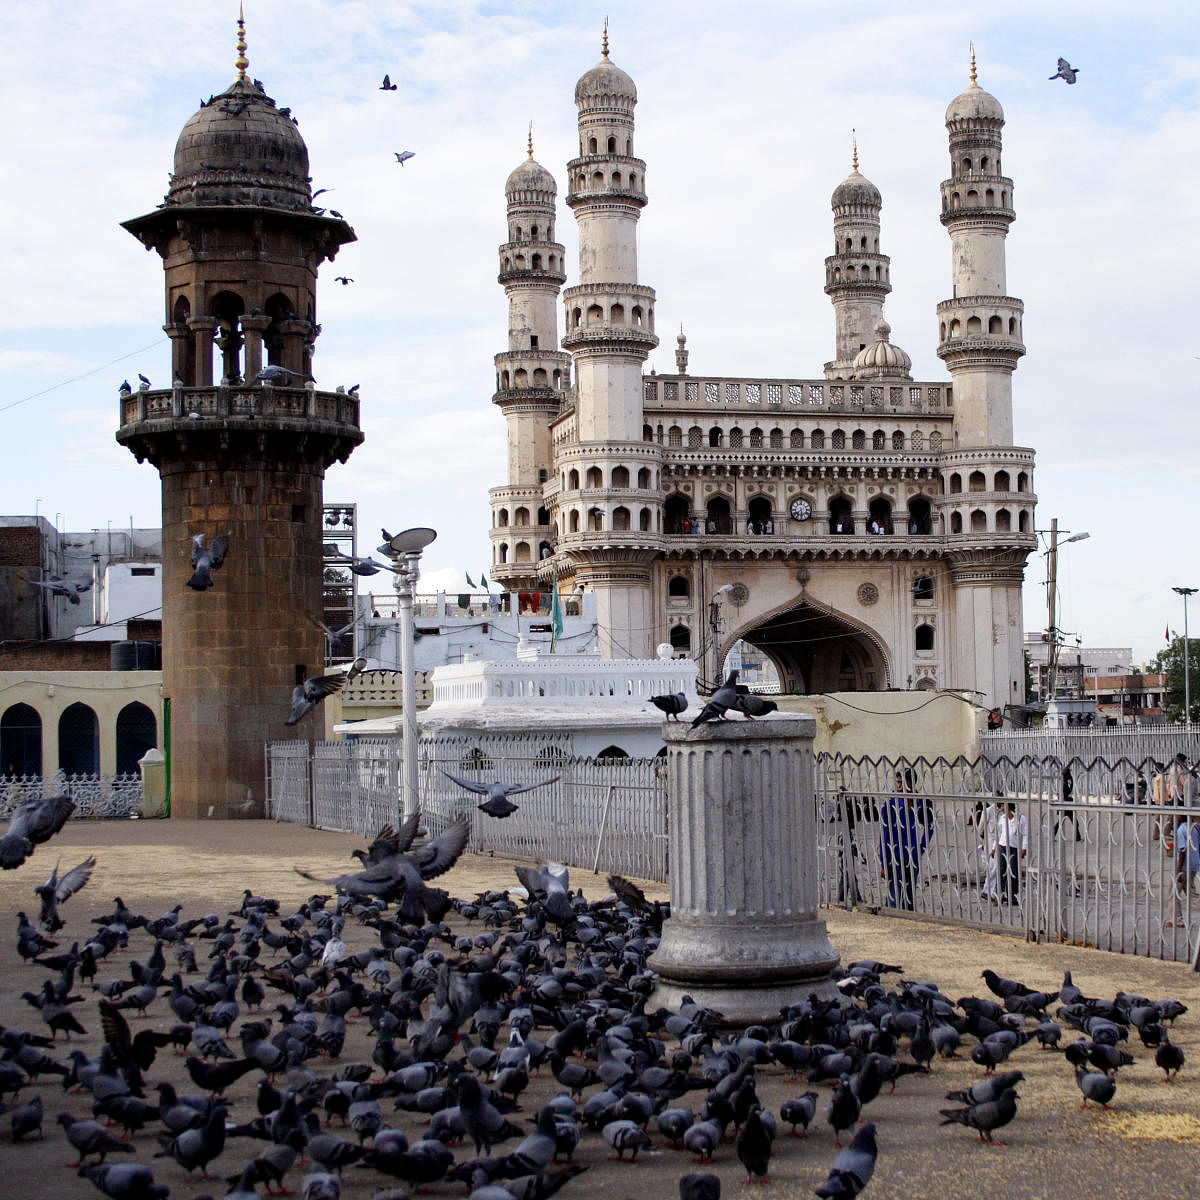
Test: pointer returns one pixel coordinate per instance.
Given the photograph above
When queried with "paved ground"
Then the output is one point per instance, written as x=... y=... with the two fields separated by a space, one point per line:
x=1149 y=1143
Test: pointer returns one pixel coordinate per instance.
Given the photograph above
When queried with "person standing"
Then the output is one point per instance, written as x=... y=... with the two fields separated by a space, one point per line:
x=1012 y=845
x=904 y=828
x=986 y=822
x=1187 y=863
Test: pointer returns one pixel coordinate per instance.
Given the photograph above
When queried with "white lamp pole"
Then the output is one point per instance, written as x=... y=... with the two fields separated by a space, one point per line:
x=1185 y=592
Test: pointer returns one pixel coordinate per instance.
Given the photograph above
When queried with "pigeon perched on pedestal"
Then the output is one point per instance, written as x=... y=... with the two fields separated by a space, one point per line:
x=671 y=705
x=720 y=702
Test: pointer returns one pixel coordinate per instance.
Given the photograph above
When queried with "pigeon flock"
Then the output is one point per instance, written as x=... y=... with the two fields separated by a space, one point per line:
x=730 y=696
x=497 y=1048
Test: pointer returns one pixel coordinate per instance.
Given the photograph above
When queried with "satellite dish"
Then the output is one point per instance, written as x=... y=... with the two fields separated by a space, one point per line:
x=412 y=541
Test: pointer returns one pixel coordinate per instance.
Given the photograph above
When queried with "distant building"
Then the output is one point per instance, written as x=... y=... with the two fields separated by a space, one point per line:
x=1077 y=666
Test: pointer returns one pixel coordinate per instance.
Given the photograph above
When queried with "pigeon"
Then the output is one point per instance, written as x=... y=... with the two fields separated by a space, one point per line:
x=307 y=695
x=754 y=1145
x=623 y=1135
x=548 y=884
x=72 y=589
x=143 y=380
x=402 y=156
x=1096 y=1086
x=125 y=389
x=1065 y=71
x=56 y=891
x=800 y=1110
x=843 y=1108
x=90 y=1137
x=276 y=374
x=27 y=1119
x=720 y=702
x=985 y=1116
x=1168 y=1057
x=497 y=803
x=699 y=1187
x=343 y=279
x=32 y=823
x=125 y=1181
x=751 y=706
x=196 y=1147
x=334 y=635
x=671 y=705
x=853 y=1167
x=991 y=1088
x=387 y=85
x=206 y=559
x=361 y=566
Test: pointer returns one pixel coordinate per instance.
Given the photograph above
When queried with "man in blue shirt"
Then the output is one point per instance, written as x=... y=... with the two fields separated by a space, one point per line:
x=905 y=824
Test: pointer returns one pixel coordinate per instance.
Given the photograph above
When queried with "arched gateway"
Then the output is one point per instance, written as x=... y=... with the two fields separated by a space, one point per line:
x=815 y=649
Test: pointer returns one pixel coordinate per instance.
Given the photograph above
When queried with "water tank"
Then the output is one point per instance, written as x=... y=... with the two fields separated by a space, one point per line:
x=136 y=656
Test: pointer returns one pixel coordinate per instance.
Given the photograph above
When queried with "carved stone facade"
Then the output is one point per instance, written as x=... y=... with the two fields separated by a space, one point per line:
x=865 y=530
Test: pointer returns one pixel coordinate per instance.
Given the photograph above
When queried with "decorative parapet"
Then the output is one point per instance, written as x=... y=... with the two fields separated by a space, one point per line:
x=685 y=392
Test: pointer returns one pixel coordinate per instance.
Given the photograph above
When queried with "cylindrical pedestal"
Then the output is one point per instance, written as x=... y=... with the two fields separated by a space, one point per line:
x=744 y=937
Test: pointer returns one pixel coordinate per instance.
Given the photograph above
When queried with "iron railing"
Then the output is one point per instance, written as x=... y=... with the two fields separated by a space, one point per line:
x=99 y=797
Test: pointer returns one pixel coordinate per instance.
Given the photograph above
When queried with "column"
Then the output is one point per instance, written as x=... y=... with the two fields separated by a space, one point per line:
x=744 y=937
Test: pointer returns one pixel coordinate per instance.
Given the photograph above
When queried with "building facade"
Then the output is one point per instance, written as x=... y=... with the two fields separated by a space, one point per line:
x=863 y=529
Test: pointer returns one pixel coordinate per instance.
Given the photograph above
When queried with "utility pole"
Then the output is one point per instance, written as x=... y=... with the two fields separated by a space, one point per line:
x=1051 y=596
x=1185 y=592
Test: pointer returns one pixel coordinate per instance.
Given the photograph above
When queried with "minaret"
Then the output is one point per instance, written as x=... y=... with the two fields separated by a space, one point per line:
x=241 y=244
x=610 y=333
x=987 y=505
x=531 y=375
x=857 y=276
x=979 y=329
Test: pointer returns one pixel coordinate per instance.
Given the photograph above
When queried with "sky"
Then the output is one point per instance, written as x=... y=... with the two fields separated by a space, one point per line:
x=744 y=120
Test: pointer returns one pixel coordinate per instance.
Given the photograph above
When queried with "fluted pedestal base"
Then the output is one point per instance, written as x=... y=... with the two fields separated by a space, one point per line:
x=744 y=937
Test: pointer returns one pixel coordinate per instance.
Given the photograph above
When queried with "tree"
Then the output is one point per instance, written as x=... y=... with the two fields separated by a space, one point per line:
x=1169 y=662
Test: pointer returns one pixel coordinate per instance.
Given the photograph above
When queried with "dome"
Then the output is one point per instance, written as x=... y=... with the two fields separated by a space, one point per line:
x=240 y=149
x=881 y=358
x=530 y=176
x=856 y=189
x=606 y=82
x=974 y=105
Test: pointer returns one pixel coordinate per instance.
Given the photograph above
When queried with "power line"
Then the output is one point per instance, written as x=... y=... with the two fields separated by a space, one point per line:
x=85 y=375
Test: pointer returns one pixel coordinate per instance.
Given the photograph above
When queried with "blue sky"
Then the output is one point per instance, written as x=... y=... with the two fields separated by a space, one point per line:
x=744 y=122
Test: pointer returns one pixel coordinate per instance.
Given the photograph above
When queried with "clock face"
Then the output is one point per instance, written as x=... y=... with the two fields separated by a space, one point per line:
x=800 y=509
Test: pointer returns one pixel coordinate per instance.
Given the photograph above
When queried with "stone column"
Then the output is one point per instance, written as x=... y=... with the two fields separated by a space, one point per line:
x=203 y=328
x=253 y=328
x=744 y=937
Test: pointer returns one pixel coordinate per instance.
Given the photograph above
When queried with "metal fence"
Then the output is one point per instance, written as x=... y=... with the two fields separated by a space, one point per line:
x=1100 y=867
x=1135 y=743
x=97 y=797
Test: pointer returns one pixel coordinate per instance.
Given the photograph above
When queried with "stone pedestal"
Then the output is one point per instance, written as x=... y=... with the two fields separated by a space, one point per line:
x=744 y=937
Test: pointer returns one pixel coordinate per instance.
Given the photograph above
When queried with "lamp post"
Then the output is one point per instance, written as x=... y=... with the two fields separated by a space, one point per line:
x=714 y=620
x=1051 y=599
x=404 y=550
x=1185 y=592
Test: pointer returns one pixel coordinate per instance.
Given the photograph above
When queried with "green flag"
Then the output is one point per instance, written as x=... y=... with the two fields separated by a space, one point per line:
x=482 y=580
x=556 y=618
x=470 y=581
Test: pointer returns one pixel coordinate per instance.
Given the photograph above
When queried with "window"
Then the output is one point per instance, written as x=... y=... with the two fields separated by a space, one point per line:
x=78 y=741
x=681 y=640
x=137 y=732
x=922 y=588
x=20 y=741
x=679 y=587
x=923 y=639
x=841 y=515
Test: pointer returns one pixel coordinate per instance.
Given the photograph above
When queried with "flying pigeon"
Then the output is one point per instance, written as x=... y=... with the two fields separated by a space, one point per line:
x=275 y=373
x=497 y=803
x=720 y=702
x=1065 y=71
x=402 y=156
x=671 y=705
x=343 y=279
x=387 y=85
x=33 y=822
x=71 y=588
x=307 y=695
x=334 y=635
x=206 y=559
x=361 y=566
x=56 y=891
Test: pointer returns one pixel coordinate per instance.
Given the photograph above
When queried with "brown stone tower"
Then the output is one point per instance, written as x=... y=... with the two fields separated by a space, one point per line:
x=241 y=242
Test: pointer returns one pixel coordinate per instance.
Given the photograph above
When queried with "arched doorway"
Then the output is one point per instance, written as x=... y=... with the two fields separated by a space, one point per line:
x=20 y=741
x=816 y=650
x=137 y=732
x=78 y=741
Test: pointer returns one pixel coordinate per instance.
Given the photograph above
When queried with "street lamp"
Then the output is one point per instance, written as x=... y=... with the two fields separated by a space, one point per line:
x=1187 y=671
x=404 y=551
x=1051 y=599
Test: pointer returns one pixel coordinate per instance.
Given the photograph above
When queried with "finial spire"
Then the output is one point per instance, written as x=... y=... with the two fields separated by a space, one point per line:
x=974 y=82
x=854 y=152
x=242 y=62
x=604 y=41
x=529 y=141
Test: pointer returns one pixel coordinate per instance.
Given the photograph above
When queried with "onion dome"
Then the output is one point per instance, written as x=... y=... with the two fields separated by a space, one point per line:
x=881 y=358
x=856 y=190
x=974 y=104
x=605 y=84
x=240 y=149
x=530 y=182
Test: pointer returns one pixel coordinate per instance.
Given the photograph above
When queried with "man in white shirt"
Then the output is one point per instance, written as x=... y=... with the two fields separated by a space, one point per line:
x=1012 y=845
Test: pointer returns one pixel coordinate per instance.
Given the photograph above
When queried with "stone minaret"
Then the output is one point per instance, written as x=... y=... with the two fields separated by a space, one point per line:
x=986 y=479
x=241 y=243
x=857 y=276
x=531 y=375
x=610 y=332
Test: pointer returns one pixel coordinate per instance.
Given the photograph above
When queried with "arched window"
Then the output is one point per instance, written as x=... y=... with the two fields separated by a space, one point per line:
x=756 y=439
x=923 y=640
x=974 y=325
x=816 y=440
x=1023 y=521
x=838 y=439
x=879 y=516
x=1003 y=520
x=674 y=436
x=573 y=521
x=79 y=741
x=524 y=552
x=502 y=517
x=695 y=437
x=543 y=515
x=719 y=518
x=759 y=515
x=841 y=515
x=956 y=522
x=595 y=315
x=898 y=440
x=596 y=519
x=681 y=639
x=1001 y=482
x=647 y=433
x=920 y=515
x=545 y=550
x=679 y=587
x=521 y=516
x=620 y=517
x=878 y=442
x=978 y=521
x=796 y=439
x=858 y=440
x=502 y=552
x=572 y=480
x=715 y=436
x=995 y=325
x=620 y=477
x=644 y=478
x=776 y=439
x=955 y=483
x=595 y=477
x=137 y=732
x=675 y=515
x=976 y=482
x=922 y=588
x=1022 y=482
x=20 y=741
x=616 y=314
x=644 y=520
x=735 y=438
